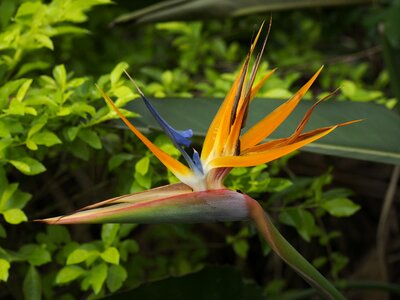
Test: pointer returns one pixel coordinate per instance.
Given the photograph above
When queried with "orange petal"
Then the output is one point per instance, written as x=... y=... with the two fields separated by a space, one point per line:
x=268 y=125
x=307 y=117
x=286 y=141
x=220 y=123
x=256 y=158
x=258 y=86
x=175 y=166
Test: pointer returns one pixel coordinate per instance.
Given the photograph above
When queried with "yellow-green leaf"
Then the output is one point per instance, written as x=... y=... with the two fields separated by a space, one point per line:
x=14 y=216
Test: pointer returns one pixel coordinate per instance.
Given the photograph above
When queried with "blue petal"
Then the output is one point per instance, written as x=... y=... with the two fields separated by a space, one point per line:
x=197 y=161
x=179 y=138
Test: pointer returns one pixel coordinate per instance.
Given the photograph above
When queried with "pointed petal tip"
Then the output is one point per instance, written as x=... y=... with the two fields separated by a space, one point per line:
x=53 y=220
x=350 y=122
x=134 y=83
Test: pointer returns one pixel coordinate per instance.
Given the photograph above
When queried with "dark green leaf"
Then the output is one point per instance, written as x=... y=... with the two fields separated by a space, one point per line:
x=118 y=159
x=128 y=246
x=18 y=199
x=109 y=232
x=90 y=137
x=300 y=219
x=173 y=10
x=79 y=149
x=32 y=286
x=364 y=140
x=72 y=132
x=340 y=207
x=3 y=232
x=116 y=277
x=35 y=254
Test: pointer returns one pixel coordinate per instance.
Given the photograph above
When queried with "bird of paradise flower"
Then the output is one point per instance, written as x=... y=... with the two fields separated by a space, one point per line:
x=201 y=196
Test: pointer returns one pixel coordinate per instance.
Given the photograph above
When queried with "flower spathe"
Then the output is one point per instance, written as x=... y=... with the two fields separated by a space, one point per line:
x=201 y=196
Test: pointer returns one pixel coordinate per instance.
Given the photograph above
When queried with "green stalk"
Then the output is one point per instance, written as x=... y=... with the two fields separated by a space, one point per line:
x=290 y=255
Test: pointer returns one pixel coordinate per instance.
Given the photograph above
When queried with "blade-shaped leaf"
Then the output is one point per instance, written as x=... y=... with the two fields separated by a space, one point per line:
x=173 y=10
x=375 y=139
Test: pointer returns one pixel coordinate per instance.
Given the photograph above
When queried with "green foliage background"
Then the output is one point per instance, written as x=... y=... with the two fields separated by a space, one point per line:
x=59 y=149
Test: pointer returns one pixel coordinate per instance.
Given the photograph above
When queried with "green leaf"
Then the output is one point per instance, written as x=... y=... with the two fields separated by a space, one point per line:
x=44 y=41
x=117 y=72
x=72 y=132
x=116 y=277
x=14 y=216
x=116 y=160
x=4 y=267
x=364 y=140
x=340 y=207
x=90 y=137
x=32 y=286
x=28 y=8
x=77 y=82
x=31 y=145
x=339 y=261
x=110 y=255
x=124 y=95
x=3 y=232
x=37 y=125
x=28 y=165
x=4 y=131
x=97 y=277
x=23 y=89
x=60 y=75
x=46 y=138
x=300 y=219
x=77 y=256
x=35 y=254
x=7 y=90
x=18 y=200
x=7 y=9
x=58 y=234
x=64 y=111
x=142 y=166
x=68 y=274
x=143 y=180
x=79 y=149
x=128 y=246
x=81 y=108
x=109 y=232
x=32 y=66
x=8 y=192
x=241 y=247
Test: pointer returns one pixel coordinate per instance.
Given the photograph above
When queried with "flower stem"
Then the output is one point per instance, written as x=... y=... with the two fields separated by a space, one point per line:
x=289 y=254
